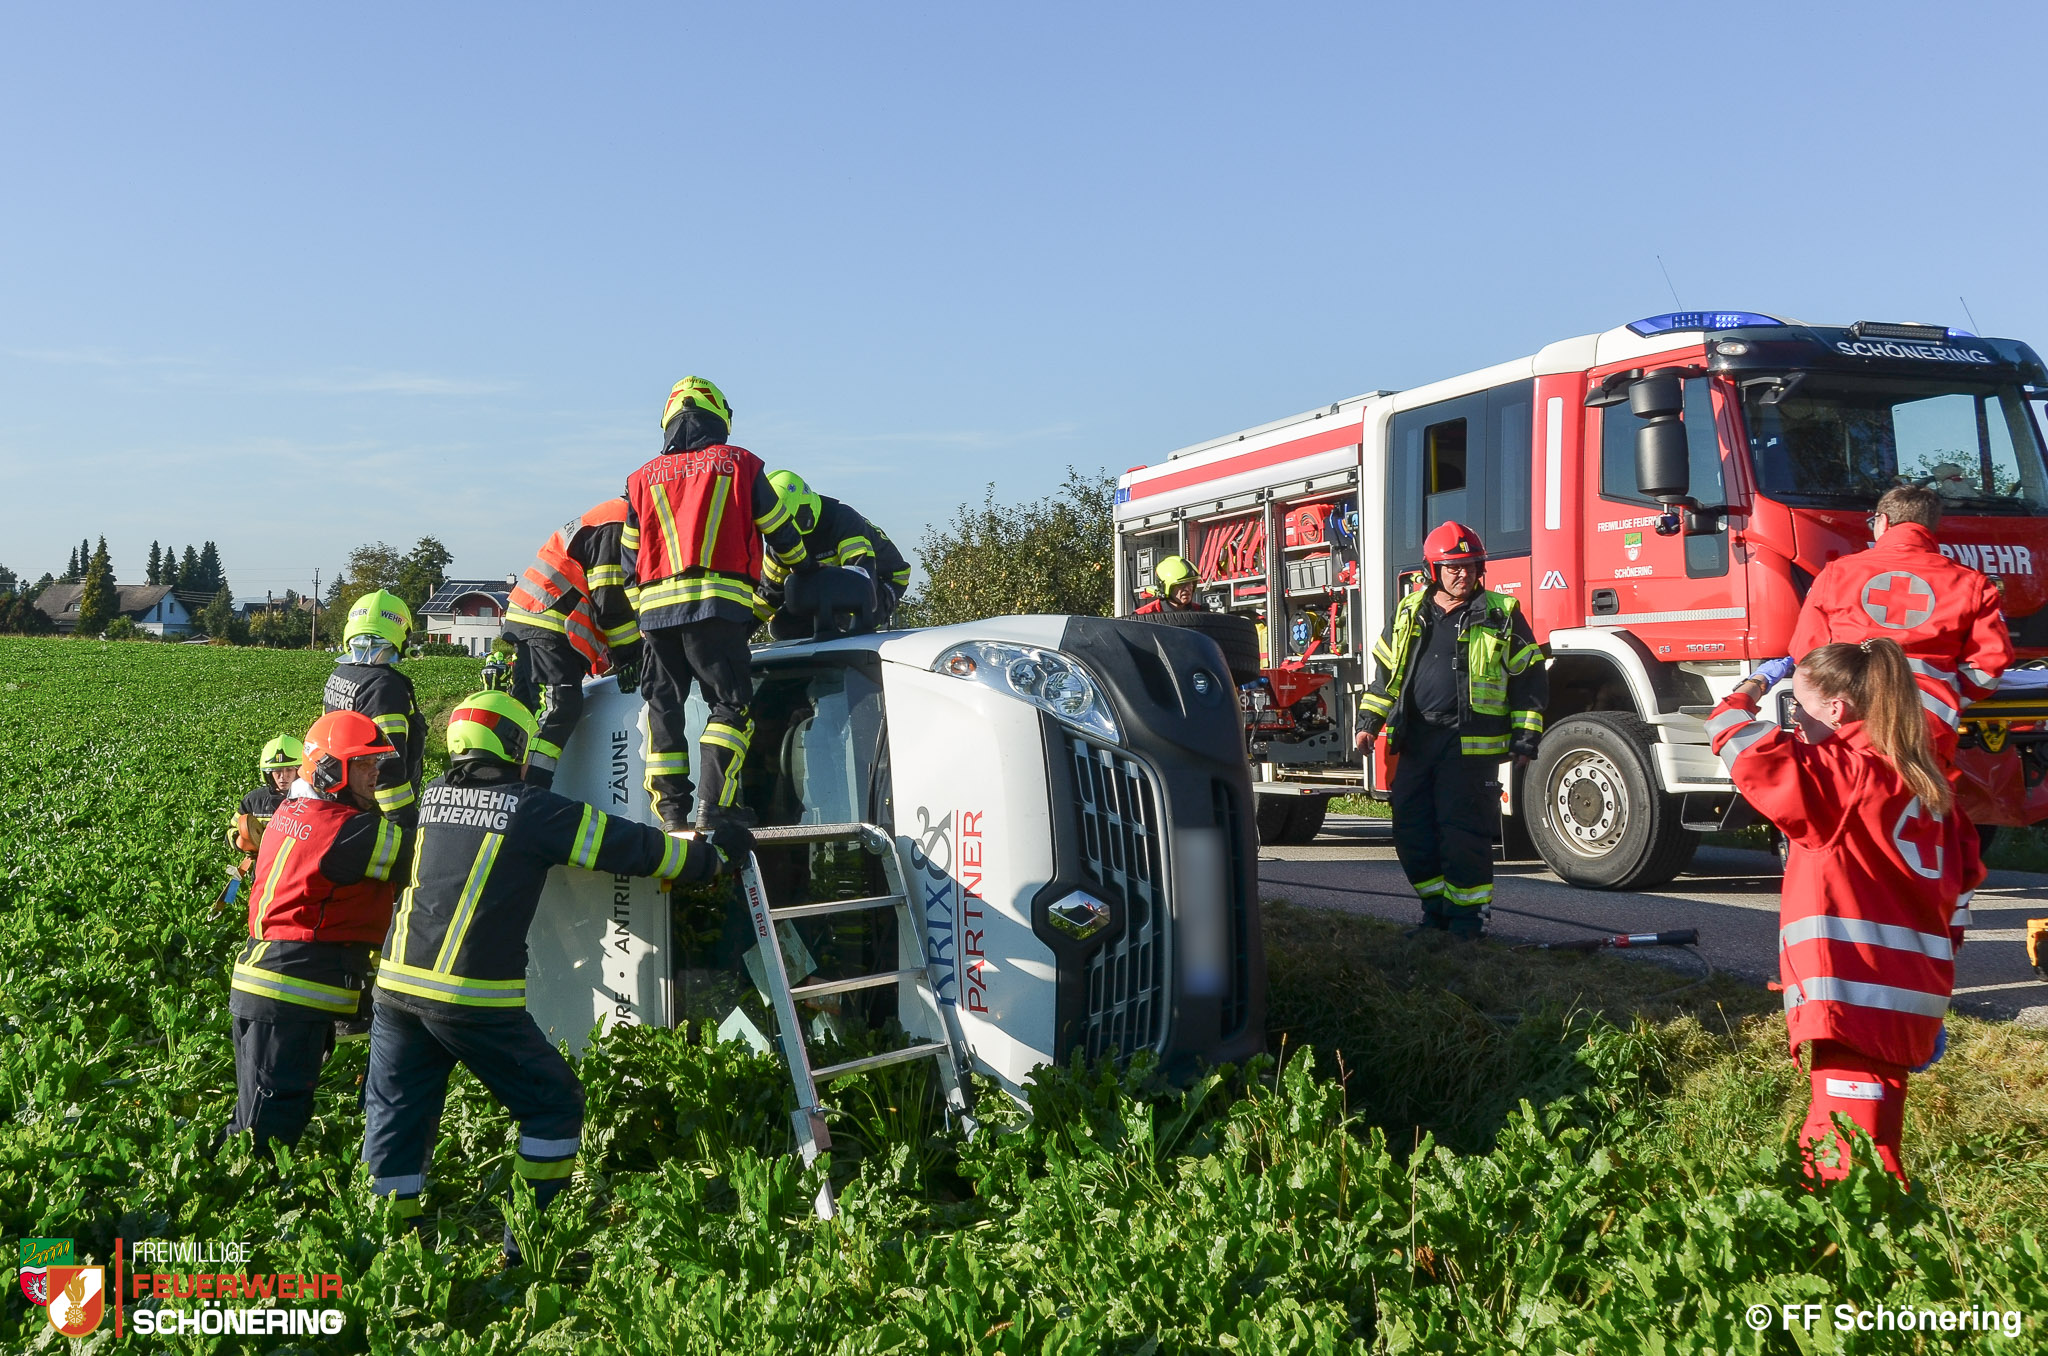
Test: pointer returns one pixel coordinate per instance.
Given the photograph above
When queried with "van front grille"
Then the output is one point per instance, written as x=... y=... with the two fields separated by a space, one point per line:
x=1122 y=852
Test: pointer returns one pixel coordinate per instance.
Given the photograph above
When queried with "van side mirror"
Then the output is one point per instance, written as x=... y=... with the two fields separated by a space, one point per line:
x=1663 y=462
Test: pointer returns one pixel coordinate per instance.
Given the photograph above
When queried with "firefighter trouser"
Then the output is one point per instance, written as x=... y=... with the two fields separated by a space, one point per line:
x=712 y=654
x=557 y=672
x=1870 y=1092
x=277 y=1070
x=1446 y=806
x=411 y=1058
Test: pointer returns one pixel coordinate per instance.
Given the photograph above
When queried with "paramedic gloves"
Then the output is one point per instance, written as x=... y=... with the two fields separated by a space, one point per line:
x=1940 y=1049
x=1524 y=745
x=1773 y=672
x=626 y=664
x=735 y=843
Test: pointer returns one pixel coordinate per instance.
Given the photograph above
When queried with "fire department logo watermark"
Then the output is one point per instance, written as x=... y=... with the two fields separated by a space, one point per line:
x=1898 y=600
x=38 y=1255
x=1884 y=1318
x=78 y=1299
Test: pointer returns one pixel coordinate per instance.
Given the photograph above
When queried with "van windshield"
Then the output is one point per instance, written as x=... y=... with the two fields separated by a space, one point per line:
x=1846 y=440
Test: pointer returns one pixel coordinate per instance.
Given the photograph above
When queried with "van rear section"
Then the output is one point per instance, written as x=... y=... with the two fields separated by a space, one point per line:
x=1067 y=795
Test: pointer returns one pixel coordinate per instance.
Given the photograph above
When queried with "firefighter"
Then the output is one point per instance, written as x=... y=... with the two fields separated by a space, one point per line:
x=570 y=617
x=1944 y=615
x=1461 y=688
x=452 y=985
x=834 y=533
x=278 y=767
x=696 y=517
x=1877 y=882
x=366 y=679
x=1174 y=590
x=321 y=903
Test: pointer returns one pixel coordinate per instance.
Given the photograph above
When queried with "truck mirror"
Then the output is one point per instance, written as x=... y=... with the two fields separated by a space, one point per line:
x=1663 y=462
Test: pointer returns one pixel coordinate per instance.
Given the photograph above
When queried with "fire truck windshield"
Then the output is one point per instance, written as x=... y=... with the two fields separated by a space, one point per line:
x=1824 y=439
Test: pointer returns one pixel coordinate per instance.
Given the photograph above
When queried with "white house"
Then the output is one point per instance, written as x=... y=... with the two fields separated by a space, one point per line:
x=155 y=608
x=467 y=612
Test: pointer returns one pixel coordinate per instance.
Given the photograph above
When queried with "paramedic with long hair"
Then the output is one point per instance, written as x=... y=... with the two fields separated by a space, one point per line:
x=1877 y=886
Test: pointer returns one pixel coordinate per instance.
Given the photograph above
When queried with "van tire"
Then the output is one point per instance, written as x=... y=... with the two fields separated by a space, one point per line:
x=1615 y=829
x=1307 y=820
x=1275 y=817
x=1236 y=636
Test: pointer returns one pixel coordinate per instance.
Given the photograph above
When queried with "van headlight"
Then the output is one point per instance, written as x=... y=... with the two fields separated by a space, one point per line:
x=1050 y=681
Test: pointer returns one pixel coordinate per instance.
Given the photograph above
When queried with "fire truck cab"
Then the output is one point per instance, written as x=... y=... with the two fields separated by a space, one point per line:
x=1659 y=497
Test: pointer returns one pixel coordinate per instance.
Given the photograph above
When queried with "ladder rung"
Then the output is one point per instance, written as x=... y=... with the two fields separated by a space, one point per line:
x=809 y=833
x=928 y=1050
x=875 y=981
x=835 y=906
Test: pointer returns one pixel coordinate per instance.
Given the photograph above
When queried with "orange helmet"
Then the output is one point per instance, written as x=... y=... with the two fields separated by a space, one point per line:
x=1453 y=544
x=336 y=738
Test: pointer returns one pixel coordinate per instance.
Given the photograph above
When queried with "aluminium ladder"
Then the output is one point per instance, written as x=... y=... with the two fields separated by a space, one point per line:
x=949 y=1053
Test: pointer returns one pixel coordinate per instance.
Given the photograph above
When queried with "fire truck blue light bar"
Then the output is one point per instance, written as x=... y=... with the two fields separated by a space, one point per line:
x=1700 y=320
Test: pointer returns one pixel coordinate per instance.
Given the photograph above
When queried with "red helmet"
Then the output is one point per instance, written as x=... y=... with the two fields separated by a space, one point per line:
x=1453 y=544
x=336 y=738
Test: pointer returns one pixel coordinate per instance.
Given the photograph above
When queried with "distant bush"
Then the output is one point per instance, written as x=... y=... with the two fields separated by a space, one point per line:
x=440 y=649
x=123 y=628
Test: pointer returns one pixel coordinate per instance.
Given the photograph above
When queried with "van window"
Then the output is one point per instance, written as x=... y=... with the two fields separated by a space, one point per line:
x=1705 y=556
x=1446 y=445
x=1510 y=410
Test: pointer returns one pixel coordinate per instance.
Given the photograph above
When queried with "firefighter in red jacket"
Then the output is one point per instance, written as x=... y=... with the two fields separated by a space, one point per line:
x=1944 y=615
x=696 y=517
x=1877 y=884
x=569 y=617
x=1175 y=588
x=321 y=903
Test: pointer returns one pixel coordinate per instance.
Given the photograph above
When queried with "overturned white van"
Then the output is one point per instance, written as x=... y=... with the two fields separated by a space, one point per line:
x=1067 y=795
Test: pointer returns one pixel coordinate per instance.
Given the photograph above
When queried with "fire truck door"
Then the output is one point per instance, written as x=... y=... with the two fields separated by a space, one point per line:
x=1673 y=592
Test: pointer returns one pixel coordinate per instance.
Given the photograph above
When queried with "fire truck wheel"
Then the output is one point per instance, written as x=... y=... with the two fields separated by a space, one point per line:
x=1307 y=820
x=1596 y=813
x=1275 y=817
x=1236 y=636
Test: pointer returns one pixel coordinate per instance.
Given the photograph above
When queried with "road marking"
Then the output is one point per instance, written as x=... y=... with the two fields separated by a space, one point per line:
x=1995 y=988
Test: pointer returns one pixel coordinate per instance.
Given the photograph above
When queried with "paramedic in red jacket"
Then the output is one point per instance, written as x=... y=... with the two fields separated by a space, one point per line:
x=1877 y=886
x=1944 y=615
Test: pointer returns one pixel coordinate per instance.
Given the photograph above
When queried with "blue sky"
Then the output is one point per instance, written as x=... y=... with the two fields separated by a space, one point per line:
x=293 y=278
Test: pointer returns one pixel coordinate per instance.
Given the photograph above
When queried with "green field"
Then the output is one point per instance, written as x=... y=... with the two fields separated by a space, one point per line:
x=1466 y=1150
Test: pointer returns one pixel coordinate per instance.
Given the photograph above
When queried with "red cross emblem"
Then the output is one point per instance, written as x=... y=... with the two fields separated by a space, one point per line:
x=1897 y=600
x=1918 y=837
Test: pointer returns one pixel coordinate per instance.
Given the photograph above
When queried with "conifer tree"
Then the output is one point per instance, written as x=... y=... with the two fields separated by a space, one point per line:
x=156 y=562
x=188 y=569
x=99 y=603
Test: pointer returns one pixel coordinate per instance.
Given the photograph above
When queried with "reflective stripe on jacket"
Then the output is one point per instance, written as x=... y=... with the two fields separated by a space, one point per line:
x=1877 y=887
x=385 y=695
x=1506 y=683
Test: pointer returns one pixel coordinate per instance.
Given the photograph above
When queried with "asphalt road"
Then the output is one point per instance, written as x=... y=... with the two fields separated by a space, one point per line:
x=1729 y=895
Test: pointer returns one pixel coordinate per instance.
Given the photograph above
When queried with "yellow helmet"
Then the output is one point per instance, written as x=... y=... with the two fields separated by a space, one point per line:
x=382 y=614
x=280 y=753
x=800 y=499
x=492 y=724
x=699 y=392
x=1173 y=571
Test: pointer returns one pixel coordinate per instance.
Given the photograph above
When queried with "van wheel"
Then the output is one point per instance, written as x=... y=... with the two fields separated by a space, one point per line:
x=1596 y=813
x=1236 y=636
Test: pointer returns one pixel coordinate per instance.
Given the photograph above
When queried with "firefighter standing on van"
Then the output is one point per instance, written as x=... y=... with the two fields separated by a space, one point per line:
x=1175 y=588
x=452 y=985
x=1944 y=615
x=570 y=616
x=695 y=519
x=366 y=679
x=834 y=533
x=321 y=903
x=1461 y=688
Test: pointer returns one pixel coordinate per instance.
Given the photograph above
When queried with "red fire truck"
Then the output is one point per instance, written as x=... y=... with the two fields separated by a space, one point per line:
x=1659 y=496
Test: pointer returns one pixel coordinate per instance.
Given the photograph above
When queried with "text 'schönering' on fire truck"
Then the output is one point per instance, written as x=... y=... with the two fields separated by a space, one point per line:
x=1659 y=497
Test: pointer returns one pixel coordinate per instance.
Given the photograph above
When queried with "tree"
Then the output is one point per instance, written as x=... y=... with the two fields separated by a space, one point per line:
x=1052 y=555
x=425 y=569
x=289 y=628
x=220 y=619
x=99 y=603
x=156 y=563
x=188 y=570
x=9 y=581
x=74 y=566
x=212 y=578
